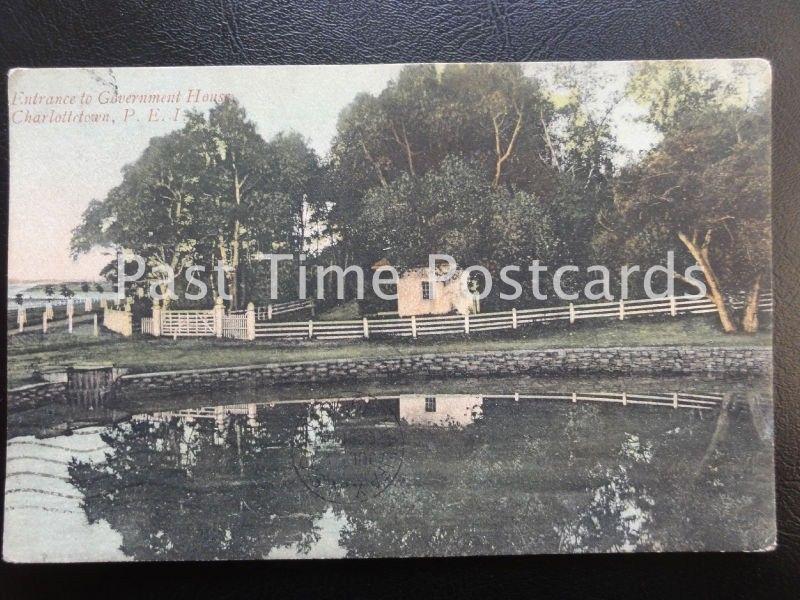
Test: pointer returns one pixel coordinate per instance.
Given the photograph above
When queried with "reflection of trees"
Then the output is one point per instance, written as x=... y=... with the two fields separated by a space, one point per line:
x=526 y=477
x=175 y=494
x=550 y=477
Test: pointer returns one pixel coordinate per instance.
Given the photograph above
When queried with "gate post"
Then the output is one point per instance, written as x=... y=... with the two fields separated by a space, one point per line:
x=127 y=327
x=251 y=321
x=219 y=312
x=156 y=318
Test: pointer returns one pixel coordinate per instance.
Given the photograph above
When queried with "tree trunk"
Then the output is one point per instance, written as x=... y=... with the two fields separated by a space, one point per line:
x=700 y=254
x=234 y=278
x=375 y=164
x=234 y=275
x=502 y=157
x=750 y=316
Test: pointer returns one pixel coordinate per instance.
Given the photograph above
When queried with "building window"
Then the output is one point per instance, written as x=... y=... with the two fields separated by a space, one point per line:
x=426 y=290
x=430 y=404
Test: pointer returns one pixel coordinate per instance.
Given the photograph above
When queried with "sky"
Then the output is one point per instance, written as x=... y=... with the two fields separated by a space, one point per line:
x=57 y=168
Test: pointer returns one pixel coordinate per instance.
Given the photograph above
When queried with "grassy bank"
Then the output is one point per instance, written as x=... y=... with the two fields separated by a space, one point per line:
x=28 y=353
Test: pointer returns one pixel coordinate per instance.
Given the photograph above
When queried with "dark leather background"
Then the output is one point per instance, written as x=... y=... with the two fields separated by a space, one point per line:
x=86 y=33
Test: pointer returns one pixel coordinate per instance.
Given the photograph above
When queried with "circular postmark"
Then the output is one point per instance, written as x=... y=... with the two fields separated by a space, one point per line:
x=348 y=451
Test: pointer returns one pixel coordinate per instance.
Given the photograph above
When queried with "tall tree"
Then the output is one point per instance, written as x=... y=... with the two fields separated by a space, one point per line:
x=707 y=186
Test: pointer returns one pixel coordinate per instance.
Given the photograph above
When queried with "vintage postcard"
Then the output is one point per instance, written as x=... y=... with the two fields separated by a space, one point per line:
x=358 y=311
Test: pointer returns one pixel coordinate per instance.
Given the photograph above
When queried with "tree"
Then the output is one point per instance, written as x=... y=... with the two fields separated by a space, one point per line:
x=493 y=117
x=707 y=186
x=85 y=287
x=98 y=287
x=19 y=299
x=153 y=211
x=213 y=190
x=66 y=291
x=49 y=290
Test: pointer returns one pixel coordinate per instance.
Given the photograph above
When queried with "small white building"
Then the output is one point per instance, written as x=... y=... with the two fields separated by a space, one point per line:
x=420 y=293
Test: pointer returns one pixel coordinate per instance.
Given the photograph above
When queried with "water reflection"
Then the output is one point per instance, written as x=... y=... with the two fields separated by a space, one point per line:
x=438 y=474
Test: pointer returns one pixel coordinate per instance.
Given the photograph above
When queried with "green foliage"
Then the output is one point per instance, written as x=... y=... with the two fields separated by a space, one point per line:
x=708 y=181
x=213 y=190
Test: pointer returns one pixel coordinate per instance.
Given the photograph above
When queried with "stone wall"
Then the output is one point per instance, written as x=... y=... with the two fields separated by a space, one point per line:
x=575 y=361
x=37 y=394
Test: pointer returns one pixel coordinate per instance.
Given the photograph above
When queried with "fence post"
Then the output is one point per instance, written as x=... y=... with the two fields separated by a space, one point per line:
x=513 y=318
x=672 y=306
x=251 y=321
x=218 y=312
x=156 y=318
x=269 y=312
x=21 y=318
x=49 y=310
x=366 y=328
x=87 y=304
x=310 y=328
x=571 y=312
x=413 y=326
x=574 y=397
x=70 y=312
x=466 y=323
x=624 y=399
x=44 y=321
x=95 y=329
x=675 y=400
x=127 y=329
x=103 y=303
x=621 y=309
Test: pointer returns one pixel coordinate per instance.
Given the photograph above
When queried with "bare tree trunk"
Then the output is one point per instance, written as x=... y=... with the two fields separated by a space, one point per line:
x=234 y=275
x=406 y=146
x=375 y=164
x=501 y=156
x=700 y=253
x=750 y=316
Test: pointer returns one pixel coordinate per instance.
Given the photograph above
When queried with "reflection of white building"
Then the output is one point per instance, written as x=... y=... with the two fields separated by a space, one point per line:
x=440 y=410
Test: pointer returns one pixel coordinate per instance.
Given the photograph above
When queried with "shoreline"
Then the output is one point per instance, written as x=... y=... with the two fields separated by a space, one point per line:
x=714 y=361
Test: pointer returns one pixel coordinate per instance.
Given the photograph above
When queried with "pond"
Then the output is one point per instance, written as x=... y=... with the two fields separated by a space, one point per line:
x=458 y=467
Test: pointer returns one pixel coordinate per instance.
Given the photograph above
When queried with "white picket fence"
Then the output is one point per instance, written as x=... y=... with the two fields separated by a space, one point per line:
x=201 y=323
x=148 y=326
x=234 y=326
x=415 y=327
